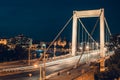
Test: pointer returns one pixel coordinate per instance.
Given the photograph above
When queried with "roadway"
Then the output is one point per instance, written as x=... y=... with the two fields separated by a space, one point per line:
x=53 y=66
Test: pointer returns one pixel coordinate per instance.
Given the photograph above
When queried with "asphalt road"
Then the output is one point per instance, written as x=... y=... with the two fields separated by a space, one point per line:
x=53 y=66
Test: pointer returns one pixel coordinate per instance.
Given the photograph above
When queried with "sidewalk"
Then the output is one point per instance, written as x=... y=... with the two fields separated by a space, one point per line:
x=75 y=74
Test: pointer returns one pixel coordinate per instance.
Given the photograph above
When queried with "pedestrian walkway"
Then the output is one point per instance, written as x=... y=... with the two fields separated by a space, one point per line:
x=75 y=74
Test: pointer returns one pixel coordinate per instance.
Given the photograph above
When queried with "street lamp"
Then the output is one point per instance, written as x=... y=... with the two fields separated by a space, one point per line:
x=29 y=54
x=87 y=50
x=87 y=47
x=81 y=49
x=97 y=45
x=55 y=49
x=40 y=71
x=44 y=62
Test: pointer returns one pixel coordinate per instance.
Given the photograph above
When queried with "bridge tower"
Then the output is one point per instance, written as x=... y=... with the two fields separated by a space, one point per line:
x=87 y=14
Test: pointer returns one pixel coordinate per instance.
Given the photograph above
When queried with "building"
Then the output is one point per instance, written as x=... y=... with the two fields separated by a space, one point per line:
x=3 y=41
x=20 y=40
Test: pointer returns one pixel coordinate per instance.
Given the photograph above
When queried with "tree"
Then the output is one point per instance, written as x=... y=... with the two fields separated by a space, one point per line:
x=3 y=52
x=20 y=52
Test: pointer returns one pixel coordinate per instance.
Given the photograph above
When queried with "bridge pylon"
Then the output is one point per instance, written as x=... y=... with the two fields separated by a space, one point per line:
x=87 y=14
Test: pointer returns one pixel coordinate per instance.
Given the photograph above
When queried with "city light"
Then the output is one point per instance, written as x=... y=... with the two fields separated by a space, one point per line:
x=87 y=47
x=35 y=65
x=80 y=48
x=105 y=49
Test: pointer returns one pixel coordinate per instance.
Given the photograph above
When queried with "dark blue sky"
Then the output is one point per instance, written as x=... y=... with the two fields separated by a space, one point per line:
x=42 y=19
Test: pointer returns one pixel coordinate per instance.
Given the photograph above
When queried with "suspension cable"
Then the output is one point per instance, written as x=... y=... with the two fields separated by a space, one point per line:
x=83 y=28
x=107 y=26
x=86 y=30
x=52 y=44
x=85 y=38
x=82 y=36
x=82 y=41
x=88 y=35
x=59 y=34
x=106 y=35
x=78 y=34
x=95 y=26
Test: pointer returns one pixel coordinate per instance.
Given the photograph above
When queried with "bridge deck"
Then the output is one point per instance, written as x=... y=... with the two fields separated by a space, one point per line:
x=83 y=71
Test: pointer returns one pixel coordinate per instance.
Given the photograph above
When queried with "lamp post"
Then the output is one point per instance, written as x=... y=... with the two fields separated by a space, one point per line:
x=40 y=71
x=44 y=70
x=44 y=62
x=87 y=50
x=55 y=49
x=29 y=55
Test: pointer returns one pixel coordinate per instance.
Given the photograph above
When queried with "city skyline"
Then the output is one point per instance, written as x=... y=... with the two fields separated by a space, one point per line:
x=43 y=19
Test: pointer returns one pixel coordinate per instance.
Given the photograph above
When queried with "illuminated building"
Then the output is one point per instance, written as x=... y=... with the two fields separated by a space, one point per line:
x=3 y=41
x=20 y=40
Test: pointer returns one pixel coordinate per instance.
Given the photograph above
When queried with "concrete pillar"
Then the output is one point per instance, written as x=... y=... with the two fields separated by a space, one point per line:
x=102 y=52
x=74 y=34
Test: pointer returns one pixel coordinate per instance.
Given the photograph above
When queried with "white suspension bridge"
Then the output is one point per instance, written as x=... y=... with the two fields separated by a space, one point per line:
x=80 y=43
x=77 y=15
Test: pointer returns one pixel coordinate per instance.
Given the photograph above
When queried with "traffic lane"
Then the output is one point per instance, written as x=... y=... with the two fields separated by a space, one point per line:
x=50 y=69
x=35 y=75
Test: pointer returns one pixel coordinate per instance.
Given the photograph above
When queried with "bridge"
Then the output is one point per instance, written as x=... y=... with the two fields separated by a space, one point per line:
x=83 y=49
x=77 y=15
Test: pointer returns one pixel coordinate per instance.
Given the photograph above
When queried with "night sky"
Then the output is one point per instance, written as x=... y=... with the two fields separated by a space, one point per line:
x=43 y=19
